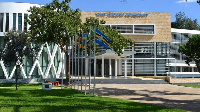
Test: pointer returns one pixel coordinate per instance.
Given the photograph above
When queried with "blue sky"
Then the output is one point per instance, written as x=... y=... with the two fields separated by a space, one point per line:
x=191 y=8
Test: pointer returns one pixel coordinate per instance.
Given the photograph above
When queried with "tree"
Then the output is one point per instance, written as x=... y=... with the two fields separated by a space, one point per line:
x=183 y=22
x=17 y=46
x=118 y=42
x=192 y=50
x=56 y=23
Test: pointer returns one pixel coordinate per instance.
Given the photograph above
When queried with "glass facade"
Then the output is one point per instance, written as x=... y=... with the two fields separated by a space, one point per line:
x=1 y=21
x=144 y=62
x=123 y=28
x=7 y=22
x=20 y=21
x=144 y=29
x=14 y=21
x=133 y=29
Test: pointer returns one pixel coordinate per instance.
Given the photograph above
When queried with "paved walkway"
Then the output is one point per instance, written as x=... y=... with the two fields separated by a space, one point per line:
x=167 y=95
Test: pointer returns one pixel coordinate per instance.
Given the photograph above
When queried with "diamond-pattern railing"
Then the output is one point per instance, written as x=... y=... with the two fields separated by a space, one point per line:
x=44 y=74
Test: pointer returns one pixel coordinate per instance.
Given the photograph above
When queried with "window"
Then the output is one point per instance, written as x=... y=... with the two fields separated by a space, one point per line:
x=7 y=22
x=25 y=22
x=123 y=28
x=1 y=22
x=20 y=21
x=144 y=29
x=14 y=21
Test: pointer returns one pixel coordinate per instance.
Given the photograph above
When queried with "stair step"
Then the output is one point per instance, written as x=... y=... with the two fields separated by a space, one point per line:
x=124 y=81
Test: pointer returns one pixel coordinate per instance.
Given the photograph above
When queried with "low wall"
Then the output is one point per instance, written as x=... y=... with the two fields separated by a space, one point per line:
x=174 y=80
x=185 y=80
x=155 y=77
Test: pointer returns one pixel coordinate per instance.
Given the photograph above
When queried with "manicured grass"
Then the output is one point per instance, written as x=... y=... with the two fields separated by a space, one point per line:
x=21 y=85
x=28 y=99
x=189 y=85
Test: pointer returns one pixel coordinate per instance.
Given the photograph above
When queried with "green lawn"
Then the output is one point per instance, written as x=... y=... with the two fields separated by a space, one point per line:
x=190 y=85
x=29 y=99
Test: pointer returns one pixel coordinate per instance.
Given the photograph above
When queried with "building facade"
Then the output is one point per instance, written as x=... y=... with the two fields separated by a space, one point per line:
x=151 y=33
x=155 y=51
x=48 y=62
x=178 y=67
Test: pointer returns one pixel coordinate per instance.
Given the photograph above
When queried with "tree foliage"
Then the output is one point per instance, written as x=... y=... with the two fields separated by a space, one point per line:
x=183 y=22
x=54 y=22
x=192 y=50
x=17 y=46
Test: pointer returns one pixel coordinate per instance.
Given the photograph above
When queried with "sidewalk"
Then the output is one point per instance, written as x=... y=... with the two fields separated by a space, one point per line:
x=172 y=96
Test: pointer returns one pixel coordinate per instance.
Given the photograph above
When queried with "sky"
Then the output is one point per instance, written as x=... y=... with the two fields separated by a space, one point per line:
x=190 y=8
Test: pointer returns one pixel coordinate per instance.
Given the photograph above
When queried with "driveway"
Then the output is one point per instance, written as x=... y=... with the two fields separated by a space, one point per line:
x=172 y=96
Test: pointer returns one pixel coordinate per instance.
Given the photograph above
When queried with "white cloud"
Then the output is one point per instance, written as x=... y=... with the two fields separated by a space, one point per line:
x=183 y=1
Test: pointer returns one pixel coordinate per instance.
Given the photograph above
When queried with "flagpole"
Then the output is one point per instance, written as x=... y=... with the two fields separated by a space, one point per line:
x=90 y=60
x=94 y=61
x=72 y=59
x=75 y=64
x=82 y=62
x=78 y=58
x=69 y=50
x=85 y=63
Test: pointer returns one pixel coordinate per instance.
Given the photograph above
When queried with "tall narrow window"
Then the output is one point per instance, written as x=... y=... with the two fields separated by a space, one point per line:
x=1 y=22
x=7 y=22
x=20 y=21
x=25 y=22
x=14 y=21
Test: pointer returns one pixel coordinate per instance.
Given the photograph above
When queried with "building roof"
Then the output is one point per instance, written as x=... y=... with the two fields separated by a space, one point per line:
x=185 y=31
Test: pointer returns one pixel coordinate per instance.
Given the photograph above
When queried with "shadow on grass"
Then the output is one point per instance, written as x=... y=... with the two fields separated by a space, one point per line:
x=151 y=96
x=66 y=100
x=84 y=104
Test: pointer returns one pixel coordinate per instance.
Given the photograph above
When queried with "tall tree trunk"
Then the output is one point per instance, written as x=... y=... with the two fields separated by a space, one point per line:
x=17 y=73
x=16 y=76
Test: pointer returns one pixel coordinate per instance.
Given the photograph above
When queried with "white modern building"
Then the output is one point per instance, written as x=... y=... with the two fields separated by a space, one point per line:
x=48 y=62
x=178 y=67
x=155 y=52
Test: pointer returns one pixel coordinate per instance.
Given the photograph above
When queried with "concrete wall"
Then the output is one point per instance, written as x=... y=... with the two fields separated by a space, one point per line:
x=185 y=80
x=162 y=22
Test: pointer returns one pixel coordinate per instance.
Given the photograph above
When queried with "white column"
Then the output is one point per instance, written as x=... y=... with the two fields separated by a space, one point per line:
x=10 y=21
x=4 y=22
x=133 y=66
x=16 y=21
x=110 y=68
x=133 y=63
x=87 y=67
x=102 y=67
x=155 y=64
x=22 y=21
x=115 y=67
x=125 y=67
x=120 y=67
x=181 y=69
